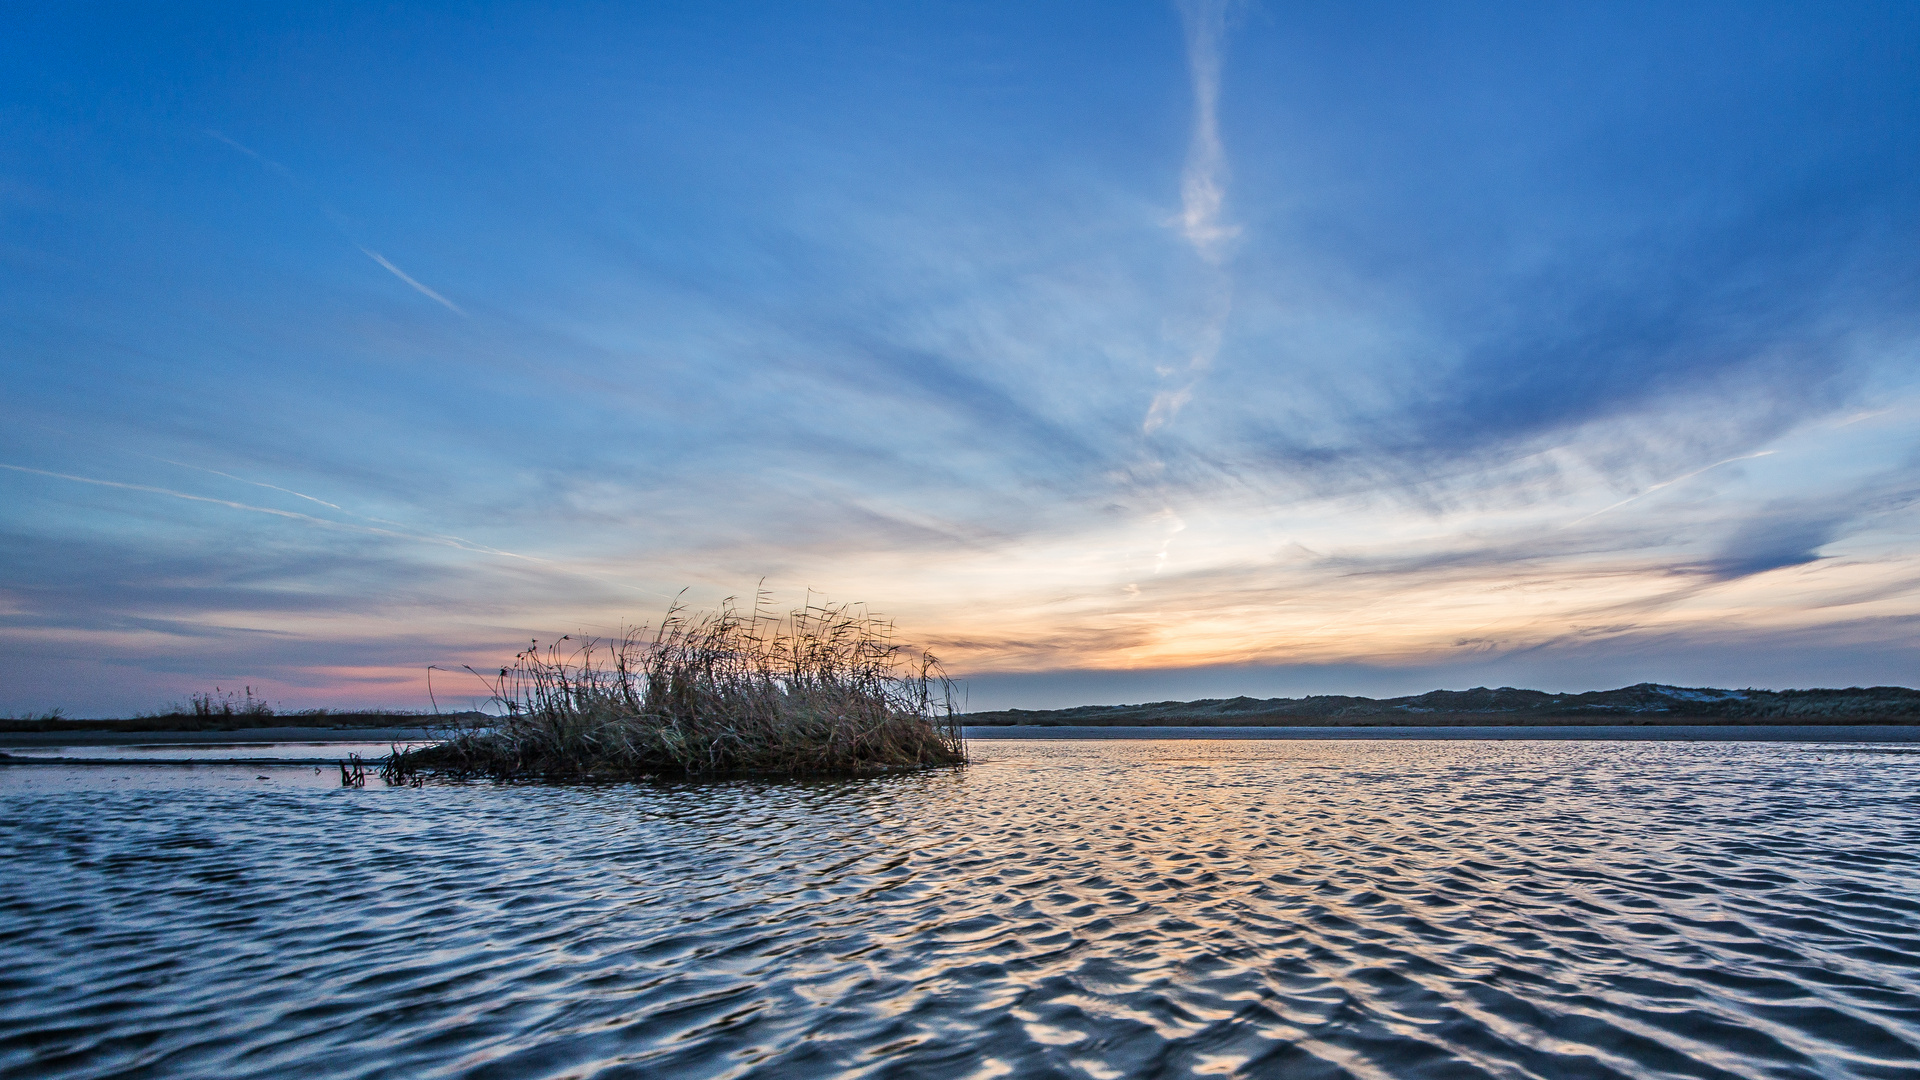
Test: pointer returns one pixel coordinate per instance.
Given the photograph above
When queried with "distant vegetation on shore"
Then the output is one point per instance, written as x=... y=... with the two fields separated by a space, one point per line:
x=1644 y=703
x=308 y=718
x=236 y=710
x=822 y=690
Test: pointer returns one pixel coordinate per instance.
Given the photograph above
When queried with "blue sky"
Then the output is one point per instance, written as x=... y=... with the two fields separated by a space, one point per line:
x=1120 y=352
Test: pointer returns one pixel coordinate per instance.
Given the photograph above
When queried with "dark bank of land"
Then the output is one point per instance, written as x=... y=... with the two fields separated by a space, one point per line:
x=189 y=729
x=1645 y=704
x=205 y=739
x=251 y=725
x=1647 y=710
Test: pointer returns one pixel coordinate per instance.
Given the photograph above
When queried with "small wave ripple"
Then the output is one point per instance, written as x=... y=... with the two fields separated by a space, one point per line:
x=1078 y=909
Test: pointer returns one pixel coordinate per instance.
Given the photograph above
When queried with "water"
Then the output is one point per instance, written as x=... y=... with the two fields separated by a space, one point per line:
x=1061 y=908
x=319 y=753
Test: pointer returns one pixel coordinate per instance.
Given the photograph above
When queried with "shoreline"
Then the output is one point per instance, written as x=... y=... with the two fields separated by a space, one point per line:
x=1799 y=733
x=1807 y=733
x=240 y=737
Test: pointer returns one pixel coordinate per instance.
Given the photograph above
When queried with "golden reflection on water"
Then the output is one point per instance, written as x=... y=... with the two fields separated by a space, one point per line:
x=1091 y=908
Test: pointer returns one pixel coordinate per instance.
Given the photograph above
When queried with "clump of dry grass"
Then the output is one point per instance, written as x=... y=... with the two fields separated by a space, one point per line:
x=222 y=704
x=822 y=690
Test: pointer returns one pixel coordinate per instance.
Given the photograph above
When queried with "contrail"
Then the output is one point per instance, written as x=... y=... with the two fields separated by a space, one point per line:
x=460 y=541
x=265 y=162
x=1203 y=192
x=255 y=483
x=436 y=539
x=409 y=531
x=404 y=276
x=1662 y=484
x=292 y=515
x=339 y=220
x=1203 y=185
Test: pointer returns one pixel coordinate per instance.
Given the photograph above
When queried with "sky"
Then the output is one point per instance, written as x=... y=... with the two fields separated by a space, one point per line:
x=1118 y=352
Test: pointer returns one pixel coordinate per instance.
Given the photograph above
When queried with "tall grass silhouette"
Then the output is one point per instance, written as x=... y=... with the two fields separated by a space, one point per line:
x=824 y=689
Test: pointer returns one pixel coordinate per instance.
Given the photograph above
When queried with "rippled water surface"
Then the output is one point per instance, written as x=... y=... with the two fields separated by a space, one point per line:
x=1099 y=909
x=321 y=753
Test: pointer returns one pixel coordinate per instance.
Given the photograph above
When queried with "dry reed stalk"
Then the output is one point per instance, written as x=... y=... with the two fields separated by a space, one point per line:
x=822 y=690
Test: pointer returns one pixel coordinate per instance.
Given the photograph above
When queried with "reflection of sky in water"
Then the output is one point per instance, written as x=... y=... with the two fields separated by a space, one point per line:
x=318 y=766
x=1059 y=908
x=50 y=781
x=329 y=751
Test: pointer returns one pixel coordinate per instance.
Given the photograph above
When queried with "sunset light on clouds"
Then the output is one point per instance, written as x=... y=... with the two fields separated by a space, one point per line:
x=1119 y=352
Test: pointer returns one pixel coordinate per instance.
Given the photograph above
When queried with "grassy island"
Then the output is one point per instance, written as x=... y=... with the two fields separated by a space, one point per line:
x=824 y=690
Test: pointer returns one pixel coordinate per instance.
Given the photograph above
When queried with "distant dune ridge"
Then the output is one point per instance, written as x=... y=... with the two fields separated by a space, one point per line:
x=1642 y=703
